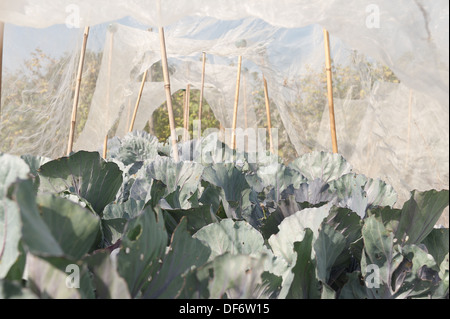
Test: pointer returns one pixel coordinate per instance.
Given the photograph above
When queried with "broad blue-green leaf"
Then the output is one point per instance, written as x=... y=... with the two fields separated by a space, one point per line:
x=36 y=235
x=314 y=192
x=107 y=281
x=10 y=235
x=85 y=174
x=359 y=193
x=379 y=251
x=231 y=237
x=34 y=163
x=14 y=290
x=418 y=275
x=143 y=245
x=127 y=210
x=379 y=193
x=292 y=229
x=227 y=177
x=48 y=281
x=136 y=146
x=419 y=215
x=443 y=290
x=115 y=217
x=304 y=284
x=326 y=166
x=197 y=218
x=73 y=227
x=234 y=276
x=354 y=288
x=182 y=177
x=437 y=244
x=327 y=247
x=350 y=192
x=185 y=252
x=11 y=169
x=275 y=175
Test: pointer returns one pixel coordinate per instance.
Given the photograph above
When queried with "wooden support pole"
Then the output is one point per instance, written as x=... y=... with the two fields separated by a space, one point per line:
x=269 y=121
x=138 y=101
x=202 y=90
x=105 y=147
x=236 y=104
x=165 y=68
x=330 y=91
x=77 y=92
x=2 y=31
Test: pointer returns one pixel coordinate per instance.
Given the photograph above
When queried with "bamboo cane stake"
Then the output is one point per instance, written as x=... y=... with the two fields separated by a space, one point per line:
x=165 y=67
x=138 y=101
x=105 y=146
x=330 y=91
x=77 y=91
x=236 y=104
x=269 y=121
x=2 y=31
x=202 y=90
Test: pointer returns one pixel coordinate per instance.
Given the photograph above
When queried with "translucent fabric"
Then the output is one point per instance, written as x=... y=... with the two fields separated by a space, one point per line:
x=390 y=75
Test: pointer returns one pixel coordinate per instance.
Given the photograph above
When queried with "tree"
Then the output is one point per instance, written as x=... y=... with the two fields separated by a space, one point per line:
x=36 y=100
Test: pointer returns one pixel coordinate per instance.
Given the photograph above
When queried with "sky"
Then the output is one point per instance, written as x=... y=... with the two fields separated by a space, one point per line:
x=20 y=42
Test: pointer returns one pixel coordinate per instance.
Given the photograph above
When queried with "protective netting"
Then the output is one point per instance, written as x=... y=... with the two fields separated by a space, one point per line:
x=390 y=69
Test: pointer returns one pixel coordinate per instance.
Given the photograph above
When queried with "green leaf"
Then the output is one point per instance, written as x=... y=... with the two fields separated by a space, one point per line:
x=197 y=218
x=127 y=210
x=12 y=168
x=328 y=246
x=326 y=166
x=274 y=175
x=10 y=235
x=48 y=281
x=182 y=178
x=143 y=245
x=36 y=235
x=418 y=275
x=85 y=174
x=354 y=288
x=34 y=163
x=350 y=193
x=136 y=146
x=380 y=252
x=233 y=277
x=293 y=228
x=437 y=244
x=74 y=227
x=107 y=281
x=13 y=290
x=231 y=237
x=379 y=193
x=419 y=215
x=304 y=284
x=228 y=178
x=185 y=252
